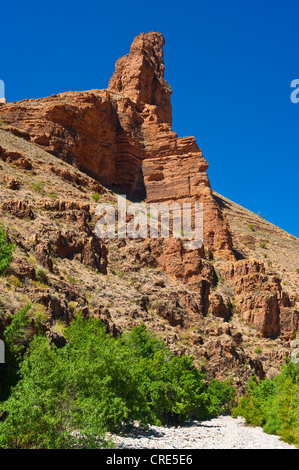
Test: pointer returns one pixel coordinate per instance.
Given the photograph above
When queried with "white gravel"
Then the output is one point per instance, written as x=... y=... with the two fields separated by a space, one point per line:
x=223 y=432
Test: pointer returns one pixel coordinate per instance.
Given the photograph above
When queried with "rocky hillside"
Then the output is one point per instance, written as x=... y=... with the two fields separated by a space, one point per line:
x=232 y=304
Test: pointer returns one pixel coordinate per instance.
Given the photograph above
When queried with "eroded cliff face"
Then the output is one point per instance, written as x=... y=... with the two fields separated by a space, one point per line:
x=123 y=137
x=173 y=169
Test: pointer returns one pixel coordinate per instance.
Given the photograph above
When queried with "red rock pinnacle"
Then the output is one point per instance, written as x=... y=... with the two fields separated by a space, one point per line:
x=140 y=75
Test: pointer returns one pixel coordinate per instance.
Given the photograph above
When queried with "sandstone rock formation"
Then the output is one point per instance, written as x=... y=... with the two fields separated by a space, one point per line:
x=122 y=136
x=173 y=169
x=140 y=76
x=260 y=299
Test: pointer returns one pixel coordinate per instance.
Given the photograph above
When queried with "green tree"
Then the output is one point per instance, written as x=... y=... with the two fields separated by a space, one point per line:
x=45 y=409
x=67 y=396
x=174 y=388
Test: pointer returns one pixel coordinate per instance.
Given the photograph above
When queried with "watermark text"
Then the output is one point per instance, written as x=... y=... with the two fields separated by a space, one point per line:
x=295 y=93
x=2 y=352
x=154 y=220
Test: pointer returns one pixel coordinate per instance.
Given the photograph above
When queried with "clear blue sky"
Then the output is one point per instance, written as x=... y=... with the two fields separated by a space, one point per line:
x=229 y=63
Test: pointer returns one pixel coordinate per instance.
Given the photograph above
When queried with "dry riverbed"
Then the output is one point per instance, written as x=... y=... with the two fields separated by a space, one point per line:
x=223 y=432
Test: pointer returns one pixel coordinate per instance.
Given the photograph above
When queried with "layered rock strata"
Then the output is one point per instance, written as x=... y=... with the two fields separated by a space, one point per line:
x=123 y=137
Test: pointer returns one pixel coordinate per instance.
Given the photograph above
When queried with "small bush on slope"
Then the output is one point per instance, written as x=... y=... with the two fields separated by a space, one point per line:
x=96 y=383
x=6 y=250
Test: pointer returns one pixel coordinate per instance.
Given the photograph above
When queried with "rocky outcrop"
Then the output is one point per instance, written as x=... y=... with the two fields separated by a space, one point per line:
x=66 y=244
x=15 y=158
x=80 y=128
x=18 y=207
x=260 y=299
x=289 y=322
x=218 y=307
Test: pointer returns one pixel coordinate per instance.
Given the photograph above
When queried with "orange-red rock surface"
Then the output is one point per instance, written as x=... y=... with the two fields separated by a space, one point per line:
x=123 y=137
x=261 y=300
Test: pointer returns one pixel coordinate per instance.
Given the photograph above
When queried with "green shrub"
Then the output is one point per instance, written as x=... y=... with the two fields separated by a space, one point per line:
x=16 y=334
x=96 y=197
x=40 y=275
x=6 y=250
x=38 y=187
x=274 y=404
x=46 y=407
x=222 y=397
x=15 y=281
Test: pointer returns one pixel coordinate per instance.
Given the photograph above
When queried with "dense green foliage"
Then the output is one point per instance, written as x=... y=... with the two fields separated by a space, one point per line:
x=17 y=336
x=274 y=404
x=6 y=251
x=174 y=389
x=96 y=383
